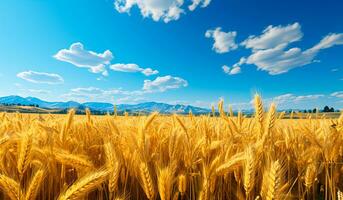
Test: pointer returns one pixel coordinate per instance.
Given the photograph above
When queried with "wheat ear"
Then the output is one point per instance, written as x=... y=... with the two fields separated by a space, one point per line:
x=272 y=182
x=113 y=166
x=10 y=187
x=84 y=185
x=147 y=181
x=310 y=175
x=35 y=183
x=24 y=152
x=165 y=183
x=76 y=161
x=182 y=184
x=249 y=170
x=67 y=124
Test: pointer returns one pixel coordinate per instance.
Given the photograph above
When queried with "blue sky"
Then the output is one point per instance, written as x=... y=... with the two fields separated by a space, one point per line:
x=174 y=51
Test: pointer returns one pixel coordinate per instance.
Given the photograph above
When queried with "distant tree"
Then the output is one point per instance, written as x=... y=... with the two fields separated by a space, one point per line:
x=314 y=110
x=332 y=109
x=326 y=109
x=305 y=111
x=309 y=111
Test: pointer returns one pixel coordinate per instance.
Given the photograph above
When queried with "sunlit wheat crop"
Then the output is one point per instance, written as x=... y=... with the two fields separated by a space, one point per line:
x=221 y=155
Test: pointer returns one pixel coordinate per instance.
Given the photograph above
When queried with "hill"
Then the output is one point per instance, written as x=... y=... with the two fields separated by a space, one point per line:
x=146 y=107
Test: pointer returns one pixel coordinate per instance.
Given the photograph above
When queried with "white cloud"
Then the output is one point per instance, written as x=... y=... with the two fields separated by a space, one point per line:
x=149 y=72
x=294 y=98
x=274 y=36
x=308 y=97
x=126 y=67
x=133 y=68
x=231 y=71
x=294 y=101
x=160 y=84
x=328 y=41
x=270 y=50
x=334 y=70
x=278 y=60
x=338 y=94
x=40 y=77
x=196 y=3
x=88 y=90
x=164 y=83
x=78 y=56
x=287 y=101
x=166 y=10
x=223 y=41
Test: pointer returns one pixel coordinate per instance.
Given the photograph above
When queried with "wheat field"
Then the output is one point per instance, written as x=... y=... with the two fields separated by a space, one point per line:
x=215 y=156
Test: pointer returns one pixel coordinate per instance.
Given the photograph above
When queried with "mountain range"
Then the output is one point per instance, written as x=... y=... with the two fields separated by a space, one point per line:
x=104 y=107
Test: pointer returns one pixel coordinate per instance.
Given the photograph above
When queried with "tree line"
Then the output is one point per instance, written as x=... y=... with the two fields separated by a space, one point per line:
x=19 y=104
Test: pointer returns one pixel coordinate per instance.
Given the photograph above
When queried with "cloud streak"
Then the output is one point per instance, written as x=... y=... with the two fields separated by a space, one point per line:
x=132 y=68
x=40 y=77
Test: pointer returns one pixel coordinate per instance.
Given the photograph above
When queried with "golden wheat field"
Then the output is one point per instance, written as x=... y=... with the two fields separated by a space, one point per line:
x=171 y=157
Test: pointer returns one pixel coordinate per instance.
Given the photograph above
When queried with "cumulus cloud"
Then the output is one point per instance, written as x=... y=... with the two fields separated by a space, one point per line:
x=80 y=57
x=164 y=83
x=274 y=36
x=133 y=68
x=231 y=71
x=165 y=10
x=278 y=60
x=270 y=50
x=223 y=41
x=40 y=77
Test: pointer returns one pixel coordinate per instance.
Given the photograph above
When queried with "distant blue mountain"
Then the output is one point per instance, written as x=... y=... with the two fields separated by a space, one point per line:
x=104 y=107
x=98 y=106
